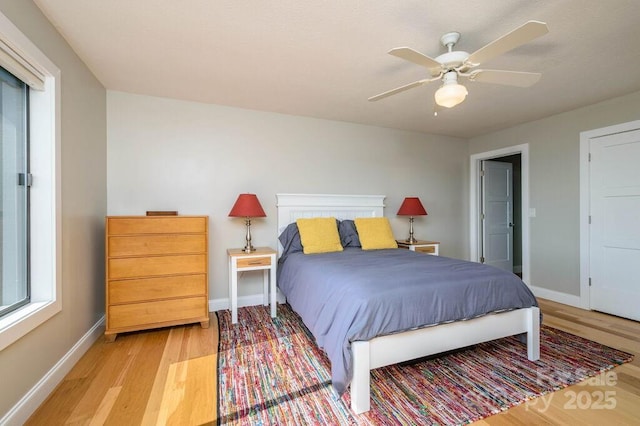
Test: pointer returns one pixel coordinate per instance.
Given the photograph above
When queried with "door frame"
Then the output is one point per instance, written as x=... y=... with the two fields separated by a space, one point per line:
x=474 y=203
x=585 y=201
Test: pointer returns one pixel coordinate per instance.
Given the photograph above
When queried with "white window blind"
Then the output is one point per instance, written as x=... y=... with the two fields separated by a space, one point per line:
x=13 y=61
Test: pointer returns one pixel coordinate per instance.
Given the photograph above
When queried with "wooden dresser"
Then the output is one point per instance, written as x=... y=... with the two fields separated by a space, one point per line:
x=156 y=272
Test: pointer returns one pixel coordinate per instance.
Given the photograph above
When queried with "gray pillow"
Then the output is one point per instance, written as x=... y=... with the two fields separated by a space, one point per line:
x=348 y=234
x=290 y=240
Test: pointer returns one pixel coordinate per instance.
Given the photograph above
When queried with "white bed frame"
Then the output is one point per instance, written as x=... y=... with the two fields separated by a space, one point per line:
x=399 y=347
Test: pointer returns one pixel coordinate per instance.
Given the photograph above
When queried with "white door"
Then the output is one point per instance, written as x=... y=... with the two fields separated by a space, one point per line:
x=615 y=224
x=497 y=214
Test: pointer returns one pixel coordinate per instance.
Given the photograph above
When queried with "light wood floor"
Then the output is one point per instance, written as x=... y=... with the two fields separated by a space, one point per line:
x=168 y=376
x=163 y=376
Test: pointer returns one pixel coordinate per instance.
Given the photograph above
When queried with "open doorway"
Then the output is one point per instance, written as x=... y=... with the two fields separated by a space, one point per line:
x=500 y=226
x=501 y=195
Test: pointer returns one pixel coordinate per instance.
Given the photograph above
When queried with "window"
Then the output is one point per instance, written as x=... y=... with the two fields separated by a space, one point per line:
x=14 y=195
x=30 y=253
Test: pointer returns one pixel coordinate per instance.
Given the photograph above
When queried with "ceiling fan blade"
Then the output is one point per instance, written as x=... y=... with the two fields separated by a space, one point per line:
x=507 y=78
x=418 y=58
x=521 y=35
x=399 y=89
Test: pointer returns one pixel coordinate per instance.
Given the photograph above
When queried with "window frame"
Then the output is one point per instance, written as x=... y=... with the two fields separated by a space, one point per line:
x=7 y=309
x=45 y=193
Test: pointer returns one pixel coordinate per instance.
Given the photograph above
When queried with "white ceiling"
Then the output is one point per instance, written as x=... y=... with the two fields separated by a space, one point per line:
x=325 y=58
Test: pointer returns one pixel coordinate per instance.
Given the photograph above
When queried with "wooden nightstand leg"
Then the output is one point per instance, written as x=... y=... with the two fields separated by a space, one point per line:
x=110 y=338
x=204 y=324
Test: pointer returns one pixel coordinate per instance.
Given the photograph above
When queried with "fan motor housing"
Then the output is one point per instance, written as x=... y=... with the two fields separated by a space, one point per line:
x=452 y=60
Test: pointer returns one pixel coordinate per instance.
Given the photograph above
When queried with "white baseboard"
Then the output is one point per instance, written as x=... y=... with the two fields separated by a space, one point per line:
x=556 y=296
x=251 y=300
x=29 y=403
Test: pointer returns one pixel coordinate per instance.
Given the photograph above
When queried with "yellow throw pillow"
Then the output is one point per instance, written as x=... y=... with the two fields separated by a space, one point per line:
x=319 y=235
x=375 y=233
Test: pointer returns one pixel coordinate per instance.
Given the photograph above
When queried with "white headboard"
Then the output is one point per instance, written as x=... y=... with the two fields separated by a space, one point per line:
x=294 y=206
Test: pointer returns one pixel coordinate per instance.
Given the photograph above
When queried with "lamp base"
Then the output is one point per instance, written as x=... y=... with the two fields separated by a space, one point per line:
x=248 y=248
x=411 y=239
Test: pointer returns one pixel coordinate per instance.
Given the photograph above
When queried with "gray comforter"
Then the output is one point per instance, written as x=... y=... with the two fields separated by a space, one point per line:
x=356 y=295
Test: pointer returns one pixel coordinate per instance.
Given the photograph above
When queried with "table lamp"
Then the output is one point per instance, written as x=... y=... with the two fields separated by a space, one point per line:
x=247 y=206
x=411 y=206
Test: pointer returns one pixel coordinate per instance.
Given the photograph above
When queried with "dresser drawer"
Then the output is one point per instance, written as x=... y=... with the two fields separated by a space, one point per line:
x=154 y=313
x=136 y=267
x=155 y=225
x=147 y=289
x=426 y=249
x=247 y=262
x=156 y=244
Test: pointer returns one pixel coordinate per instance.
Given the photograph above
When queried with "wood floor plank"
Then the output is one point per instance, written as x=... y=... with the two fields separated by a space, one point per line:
x=138 y=381
x=171 y=354
x=107 y=403
x=189 y=391
x=61 y=403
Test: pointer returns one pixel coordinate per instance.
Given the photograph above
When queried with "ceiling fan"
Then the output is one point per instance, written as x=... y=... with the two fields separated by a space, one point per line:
x=454 y=64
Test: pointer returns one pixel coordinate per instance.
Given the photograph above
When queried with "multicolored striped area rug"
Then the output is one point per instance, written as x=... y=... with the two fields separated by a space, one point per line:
x=270 y=372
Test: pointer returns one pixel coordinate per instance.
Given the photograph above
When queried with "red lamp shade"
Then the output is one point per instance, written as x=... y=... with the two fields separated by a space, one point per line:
x=247 y=205
x=411 y=206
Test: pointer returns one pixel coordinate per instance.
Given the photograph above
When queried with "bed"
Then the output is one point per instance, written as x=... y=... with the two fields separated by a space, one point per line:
x=377 y=332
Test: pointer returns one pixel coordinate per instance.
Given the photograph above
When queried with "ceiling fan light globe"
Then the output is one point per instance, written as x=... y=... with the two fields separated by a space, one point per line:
x=450 y=94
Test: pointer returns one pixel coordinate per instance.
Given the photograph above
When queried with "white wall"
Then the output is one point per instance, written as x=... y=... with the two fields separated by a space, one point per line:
x=25 y=363
x=196 y=158
x=554 y=144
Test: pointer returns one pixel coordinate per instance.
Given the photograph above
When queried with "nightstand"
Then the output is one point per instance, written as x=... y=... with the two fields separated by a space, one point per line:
x=262 y=258
x=429 y=247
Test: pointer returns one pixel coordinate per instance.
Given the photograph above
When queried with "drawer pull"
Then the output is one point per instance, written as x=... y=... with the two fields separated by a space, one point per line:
x=259 y=262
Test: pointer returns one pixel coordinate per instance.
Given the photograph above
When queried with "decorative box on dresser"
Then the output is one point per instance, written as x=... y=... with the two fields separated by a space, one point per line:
x=156 y=272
